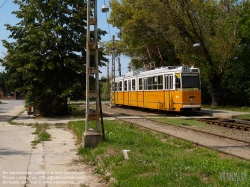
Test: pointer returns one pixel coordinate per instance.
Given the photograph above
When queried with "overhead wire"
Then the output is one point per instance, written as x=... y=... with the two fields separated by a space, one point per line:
x=3 y=4
x=108 y=26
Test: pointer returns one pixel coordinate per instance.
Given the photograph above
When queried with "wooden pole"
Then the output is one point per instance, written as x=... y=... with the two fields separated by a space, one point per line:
x=100 y=106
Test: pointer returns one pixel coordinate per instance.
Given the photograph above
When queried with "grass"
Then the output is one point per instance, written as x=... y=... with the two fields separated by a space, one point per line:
x=11 y=121
x=231 y=108
x=159 y=160
x=182 y=122
x=41 y=133
x=243 y=117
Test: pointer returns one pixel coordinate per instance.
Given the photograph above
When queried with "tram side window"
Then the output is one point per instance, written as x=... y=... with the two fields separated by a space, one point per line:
x=169 y=82
x=125 y=85
x=116 y=85
x=140 y=84
x=133 y=84
x=177 y=82
x=120 y=86
x=150 y=83
x=160 y=82
x=155 y=83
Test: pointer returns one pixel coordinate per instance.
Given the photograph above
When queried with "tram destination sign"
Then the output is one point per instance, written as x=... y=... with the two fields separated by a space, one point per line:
x=190 y=74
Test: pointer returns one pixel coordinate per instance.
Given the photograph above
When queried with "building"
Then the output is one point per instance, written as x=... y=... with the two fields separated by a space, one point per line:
x=8 y=95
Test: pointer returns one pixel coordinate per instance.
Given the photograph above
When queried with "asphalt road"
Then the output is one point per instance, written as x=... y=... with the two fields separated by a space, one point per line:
x=15 y=144
x=9 y=109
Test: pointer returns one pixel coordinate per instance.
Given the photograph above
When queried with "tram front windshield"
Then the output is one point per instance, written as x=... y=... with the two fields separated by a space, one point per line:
x=191 y=80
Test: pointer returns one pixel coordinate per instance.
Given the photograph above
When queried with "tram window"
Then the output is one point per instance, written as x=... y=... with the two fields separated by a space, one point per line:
x=140 y=84
x=150 y=83
x=190 y=81
x=129 y=85
x=116 y=83
x=155 y=83
x=160 y=82
x=133 y=84
x=177 y=82
x=120 y=86
x=125 y=85
x=169 y=82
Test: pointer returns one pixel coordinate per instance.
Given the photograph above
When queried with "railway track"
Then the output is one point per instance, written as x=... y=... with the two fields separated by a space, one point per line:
x=231 y=123
x=201 y=138
x=202 y=131
x=224 y=144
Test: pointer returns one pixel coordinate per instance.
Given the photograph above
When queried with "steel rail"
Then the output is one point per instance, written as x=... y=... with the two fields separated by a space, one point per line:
x=237 y=124
x=201 y=131
x=199 y=144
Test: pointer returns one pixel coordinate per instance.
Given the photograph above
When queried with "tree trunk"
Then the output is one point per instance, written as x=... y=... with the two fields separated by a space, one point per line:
x=215 y=89
x=215 y=99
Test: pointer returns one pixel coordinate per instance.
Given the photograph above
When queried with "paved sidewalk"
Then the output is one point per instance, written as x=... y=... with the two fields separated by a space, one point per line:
x=51 y=164
x=221 y=113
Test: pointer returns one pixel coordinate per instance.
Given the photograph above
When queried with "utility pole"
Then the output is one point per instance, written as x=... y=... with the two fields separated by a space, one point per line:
x=119 y=67
x=112 y=93
x=91 y=137
x=108 y=70
x=108 y=82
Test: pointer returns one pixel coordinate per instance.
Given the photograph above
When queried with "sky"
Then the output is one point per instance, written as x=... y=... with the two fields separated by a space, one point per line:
x=6 y=17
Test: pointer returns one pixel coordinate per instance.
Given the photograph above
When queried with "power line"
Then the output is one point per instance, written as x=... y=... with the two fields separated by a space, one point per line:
x=108 y=24
x=3 y=4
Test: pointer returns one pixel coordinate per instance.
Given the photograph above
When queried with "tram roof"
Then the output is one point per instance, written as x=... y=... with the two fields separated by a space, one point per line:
x=160 y=70
x=166 y=69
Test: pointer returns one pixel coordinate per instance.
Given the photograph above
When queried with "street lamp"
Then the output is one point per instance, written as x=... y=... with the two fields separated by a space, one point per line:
x=105 y=7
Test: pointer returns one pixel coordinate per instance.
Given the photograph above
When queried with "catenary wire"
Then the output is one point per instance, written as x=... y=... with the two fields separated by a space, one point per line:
x=3 y=4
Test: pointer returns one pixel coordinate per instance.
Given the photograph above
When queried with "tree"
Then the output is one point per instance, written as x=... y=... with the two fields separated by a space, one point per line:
x=48 y=56
x=177 y=25
x=104 y=88
x=4 y=76
x=142 y=33
x=236 y=82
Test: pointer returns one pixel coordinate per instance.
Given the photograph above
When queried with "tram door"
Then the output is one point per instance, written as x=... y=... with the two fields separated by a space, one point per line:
x=169 y=85
x=126 y=93
x=145 y=92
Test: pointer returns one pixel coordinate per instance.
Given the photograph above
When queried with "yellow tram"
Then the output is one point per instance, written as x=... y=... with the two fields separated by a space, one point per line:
x=172 y=88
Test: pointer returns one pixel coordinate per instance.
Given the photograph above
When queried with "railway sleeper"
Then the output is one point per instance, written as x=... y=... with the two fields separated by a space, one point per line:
x=227 y=120
x=225 y=123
